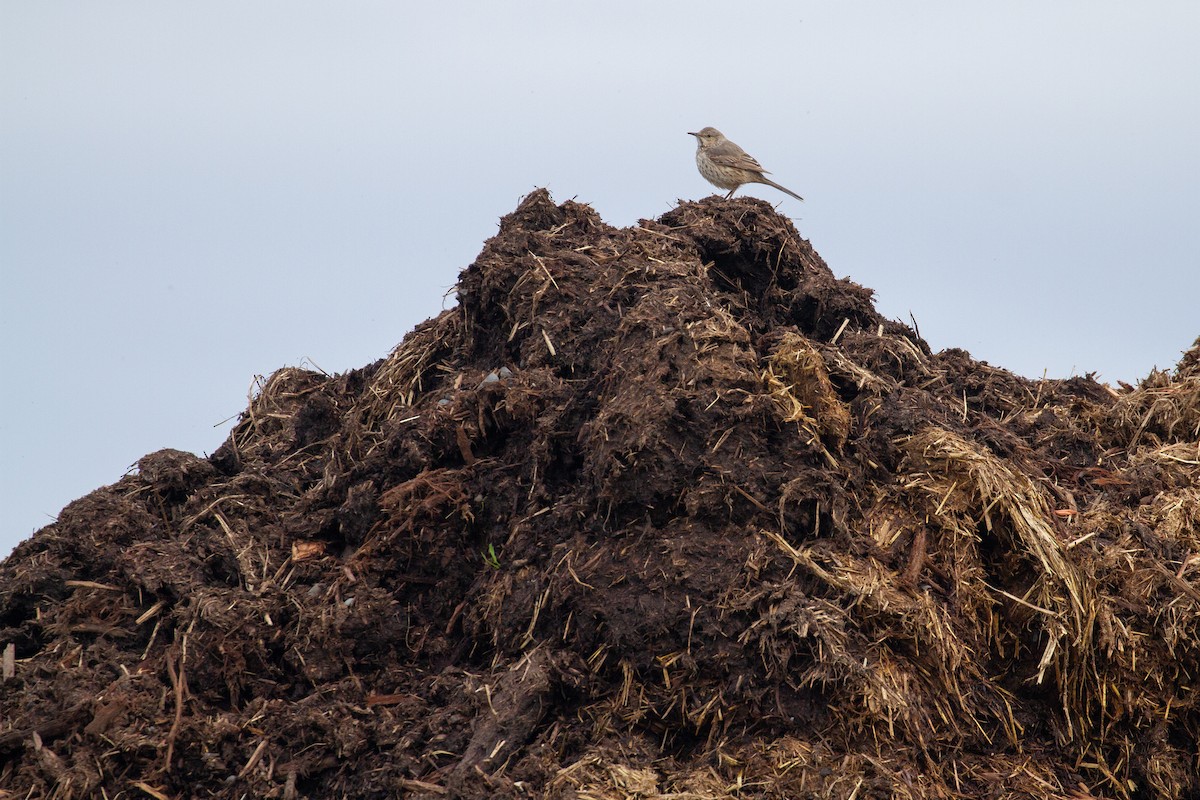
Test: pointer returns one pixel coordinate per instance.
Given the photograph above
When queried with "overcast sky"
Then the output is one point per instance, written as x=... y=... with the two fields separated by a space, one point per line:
x=195 y=194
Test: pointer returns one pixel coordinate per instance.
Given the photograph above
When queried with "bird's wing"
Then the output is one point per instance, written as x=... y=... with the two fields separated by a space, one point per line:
x=728 y=154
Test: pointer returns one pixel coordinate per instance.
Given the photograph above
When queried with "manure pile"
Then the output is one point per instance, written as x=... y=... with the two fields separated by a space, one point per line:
x=658 y=512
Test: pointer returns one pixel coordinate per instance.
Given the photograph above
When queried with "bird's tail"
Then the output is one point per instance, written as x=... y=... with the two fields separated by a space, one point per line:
x=770 y=182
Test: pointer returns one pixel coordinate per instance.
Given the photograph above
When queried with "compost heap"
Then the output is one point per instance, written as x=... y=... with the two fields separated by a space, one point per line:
x=658 y=512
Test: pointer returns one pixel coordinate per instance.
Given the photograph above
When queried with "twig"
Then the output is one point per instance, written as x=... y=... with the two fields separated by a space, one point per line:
x=178 y=682
x=255 y=757
x=757 y=503
x=150 y=790
x=542 y=264
x=421 y=786
x=841 y=328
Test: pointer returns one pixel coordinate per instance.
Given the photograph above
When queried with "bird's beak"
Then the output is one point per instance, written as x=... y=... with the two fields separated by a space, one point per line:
x=690 y=133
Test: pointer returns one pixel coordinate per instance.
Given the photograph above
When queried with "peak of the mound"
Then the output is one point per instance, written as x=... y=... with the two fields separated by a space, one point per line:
x=666 y=510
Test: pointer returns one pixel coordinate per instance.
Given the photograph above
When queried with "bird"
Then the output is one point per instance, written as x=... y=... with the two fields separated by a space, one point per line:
x=724 y=164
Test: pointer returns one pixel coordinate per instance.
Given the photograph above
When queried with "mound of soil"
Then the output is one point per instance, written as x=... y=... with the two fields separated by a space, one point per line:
x=666 y=511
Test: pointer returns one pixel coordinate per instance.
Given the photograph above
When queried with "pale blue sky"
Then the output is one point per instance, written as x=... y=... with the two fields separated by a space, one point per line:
x=195 y=194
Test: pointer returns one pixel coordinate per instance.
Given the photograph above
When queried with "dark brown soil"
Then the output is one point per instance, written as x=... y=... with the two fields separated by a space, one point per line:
x=666 y=511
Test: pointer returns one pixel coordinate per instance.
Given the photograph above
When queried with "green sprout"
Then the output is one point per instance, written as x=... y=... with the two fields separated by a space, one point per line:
x=490 y=557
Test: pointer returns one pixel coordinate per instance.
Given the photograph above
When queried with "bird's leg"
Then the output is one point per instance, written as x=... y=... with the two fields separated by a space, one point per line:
x=731 y=191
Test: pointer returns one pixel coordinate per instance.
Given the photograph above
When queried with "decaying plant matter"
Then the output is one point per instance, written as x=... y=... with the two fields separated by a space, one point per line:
x=657 y=512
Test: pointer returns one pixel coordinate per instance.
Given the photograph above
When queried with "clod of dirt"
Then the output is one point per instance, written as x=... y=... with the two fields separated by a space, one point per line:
x=664 y=511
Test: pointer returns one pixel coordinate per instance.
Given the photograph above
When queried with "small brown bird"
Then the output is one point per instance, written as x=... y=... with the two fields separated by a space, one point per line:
x=724 y=164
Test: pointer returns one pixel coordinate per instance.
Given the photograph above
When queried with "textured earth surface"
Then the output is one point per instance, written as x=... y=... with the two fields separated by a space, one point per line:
x=657 y=512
